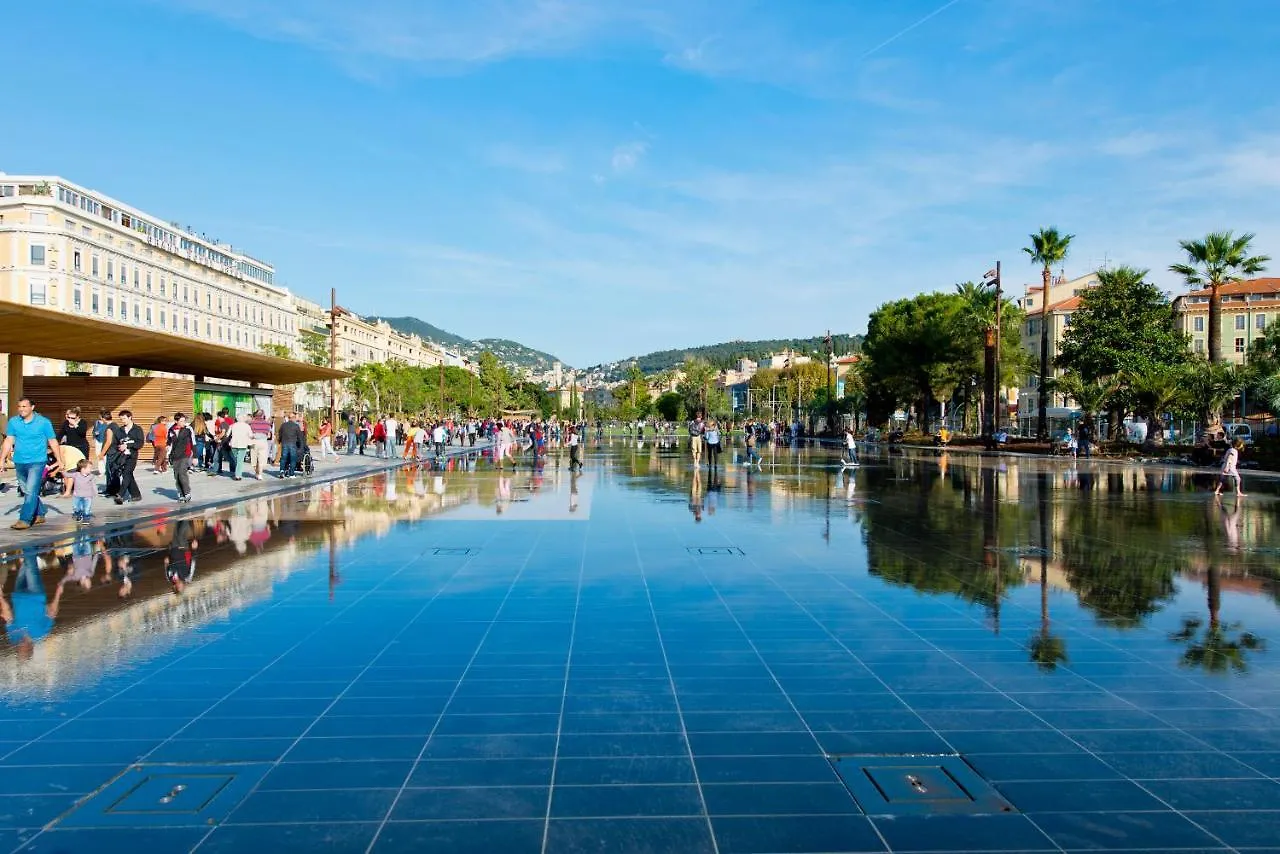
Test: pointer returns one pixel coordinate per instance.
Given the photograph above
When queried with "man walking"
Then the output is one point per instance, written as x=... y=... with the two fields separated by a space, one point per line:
x=697 y=427
x=352 y=428
x=29 y=440
x=100 y=429
x=392 y=427
x=182 y=444
x=290 y=446
x=126 y=441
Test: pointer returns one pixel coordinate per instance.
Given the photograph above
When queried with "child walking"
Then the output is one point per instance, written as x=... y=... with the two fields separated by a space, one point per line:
x=1230 y=461
x=83 y=488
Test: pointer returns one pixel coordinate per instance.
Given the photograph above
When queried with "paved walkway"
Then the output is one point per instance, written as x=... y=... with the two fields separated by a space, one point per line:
x=159 y=494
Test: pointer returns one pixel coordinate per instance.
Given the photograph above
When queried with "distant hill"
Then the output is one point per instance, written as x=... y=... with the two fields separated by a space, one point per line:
x=508 y=352
x=726 y=355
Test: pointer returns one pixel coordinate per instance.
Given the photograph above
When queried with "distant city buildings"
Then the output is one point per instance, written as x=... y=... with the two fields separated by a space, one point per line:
x=1063 y=299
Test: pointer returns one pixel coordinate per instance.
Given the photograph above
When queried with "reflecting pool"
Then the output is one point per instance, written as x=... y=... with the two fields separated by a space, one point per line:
x=927 y=653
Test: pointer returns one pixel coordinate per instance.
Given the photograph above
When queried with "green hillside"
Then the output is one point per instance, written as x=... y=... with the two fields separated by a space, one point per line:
x=726 y=355
x=507 y=351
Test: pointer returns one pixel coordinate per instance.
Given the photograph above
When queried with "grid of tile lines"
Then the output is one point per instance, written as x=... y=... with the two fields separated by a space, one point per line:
x=928 y=629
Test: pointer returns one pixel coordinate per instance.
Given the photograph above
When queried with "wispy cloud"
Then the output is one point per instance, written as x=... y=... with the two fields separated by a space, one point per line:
x=628 y=156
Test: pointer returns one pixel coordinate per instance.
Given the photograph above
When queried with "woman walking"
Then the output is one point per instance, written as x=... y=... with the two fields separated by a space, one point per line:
x=712 y=439
x=1230 y=462
x=326 y=440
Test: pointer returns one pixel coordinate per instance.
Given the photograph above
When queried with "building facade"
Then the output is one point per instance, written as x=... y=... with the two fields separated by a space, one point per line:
x=1063 y=298
x=1248 y=308
x=68 y=248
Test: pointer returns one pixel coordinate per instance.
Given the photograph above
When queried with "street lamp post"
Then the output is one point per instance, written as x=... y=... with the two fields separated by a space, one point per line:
x=830 y=402
x=991 y=365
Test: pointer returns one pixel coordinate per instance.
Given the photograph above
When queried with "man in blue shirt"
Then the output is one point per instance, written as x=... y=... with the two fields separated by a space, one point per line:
x=30 y=442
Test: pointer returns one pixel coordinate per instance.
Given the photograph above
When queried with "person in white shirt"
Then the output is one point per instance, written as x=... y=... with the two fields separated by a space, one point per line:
x=393 y=441
x=437 y=437
x=575 y=450
x=241 y=437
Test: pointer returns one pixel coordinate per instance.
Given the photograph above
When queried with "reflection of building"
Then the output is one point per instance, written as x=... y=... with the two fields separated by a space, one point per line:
x=1247 y=309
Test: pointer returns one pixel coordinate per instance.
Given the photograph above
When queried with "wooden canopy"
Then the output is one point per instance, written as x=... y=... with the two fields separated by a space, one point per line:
x=32 y=331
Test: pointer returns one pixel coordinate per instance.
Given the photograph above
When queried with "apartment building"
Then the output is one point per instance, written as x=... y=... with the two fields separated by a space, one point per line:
x=1248 y=308
x=1063 y=298
x=68 y=248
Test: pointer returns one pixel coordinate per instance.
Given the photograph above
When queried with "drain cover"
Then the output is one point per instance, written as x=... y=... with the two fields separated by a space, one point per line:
x=716 y=550
x=167 y=796
x=917 y=785
x=453 y=552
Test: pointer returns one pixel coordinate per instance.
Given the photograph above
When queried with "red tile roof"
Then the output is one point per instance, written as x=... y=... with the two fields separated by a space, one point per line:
x=1248 y=286
x=1068 y=304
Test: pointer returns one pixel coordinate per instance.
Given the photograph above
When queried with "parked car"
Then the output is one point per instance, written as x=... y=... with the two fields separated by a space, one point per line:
x=1239 y=430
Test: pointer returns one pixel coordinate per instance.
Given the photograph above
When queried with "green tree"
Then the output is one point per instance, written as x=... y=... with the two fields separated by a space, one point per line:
x=670 y=406
x=1124 y=326
x=632 y=396
x=315 y=346
x=697 y=384
x=494 y=395
x=280 y=351
x=1091 y=395
x=913 y=347
x=1157 y=390
x=1219 y=259
x=1048 y=249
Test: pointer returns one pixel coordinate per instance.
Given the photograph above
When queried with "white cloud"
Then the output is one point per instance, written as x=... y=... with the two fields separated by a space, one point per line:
x=628 y=156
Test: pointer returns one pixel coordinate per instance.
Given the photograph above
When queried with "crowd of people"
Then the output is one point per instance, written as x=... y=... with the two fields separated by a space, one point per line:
x=102 y=459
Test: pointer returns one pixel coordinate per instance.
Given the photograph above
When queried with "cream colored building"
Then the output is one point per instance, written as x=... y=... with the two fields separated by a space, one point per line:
x=1248 y=308
x=1064 y=299
x=72 y=249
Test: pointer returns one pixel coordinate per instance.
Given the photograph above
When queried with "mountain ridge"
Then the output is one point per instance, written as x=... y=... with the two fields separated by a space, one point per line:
x=727 y=353
x=509 y=352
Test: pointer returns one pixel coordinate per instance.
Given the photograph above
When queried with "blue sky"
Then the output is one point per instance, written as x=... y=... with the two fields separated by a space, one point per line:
x=600 y=178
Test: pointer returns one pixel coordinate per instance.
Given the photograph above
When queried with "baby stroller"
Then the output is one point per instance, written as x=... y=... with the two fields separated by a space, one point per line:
x=50 y=486
x=306 y=465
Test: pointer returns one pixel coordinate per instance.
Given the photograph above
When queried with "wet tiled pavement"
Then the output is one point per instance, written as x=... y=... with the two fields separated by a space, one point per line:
x=923 y=655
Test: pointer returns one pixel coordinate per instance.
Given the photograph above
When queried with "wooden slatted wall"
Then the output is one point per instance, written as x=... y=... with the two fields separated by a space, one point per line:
x=147 y=397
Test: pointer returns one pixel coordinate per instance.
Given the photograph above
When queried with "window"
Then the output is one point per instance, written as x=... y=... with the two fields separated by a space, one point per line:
x=162 y=318
x=86 y=231
x=186 y=324
x=148 y=281
x=111 y=306
x=76 y=262
x=93 y=303
x=39 y=218
x=1259 y=321
x=111 y=270
x=148 y=315
x=1199 y=345
x=185 y=294
x=93 y=266
x=124 y=274
x=76 y=299
x=1241 y=321
x=38 y=295
x=1066 y=320
x=162 y=286
x=135 y=278
x=1033 y=326
x=137 y=310
x=68 y=225
x=1239 y=345
x=208 y=329
x=124 y=309
x=37 y=255
x=1030 y=302
x=1199 y=324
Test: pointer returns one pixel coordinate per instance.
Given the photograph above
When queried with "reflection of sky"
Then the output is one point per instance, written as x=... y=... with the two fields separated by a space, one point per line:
x=798 y=507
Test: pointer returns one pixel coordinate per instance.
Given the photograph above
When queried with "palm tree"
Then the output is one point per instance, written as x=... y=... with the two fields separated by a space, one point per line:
x=1156 y=390
x=1222 y=647
x=1045 y=648
x=1212 y=386
x=1092 y=395
x=1048 y=248
x=1219 y=259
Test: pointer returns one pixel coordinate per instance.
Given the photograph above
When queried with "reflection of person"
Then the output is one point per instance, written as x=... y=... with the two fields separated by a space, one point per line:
x=32 y=615
x=695 y=495
x=180 y=561
x=1230 y=461
x=1231 y=525
x=573 y=491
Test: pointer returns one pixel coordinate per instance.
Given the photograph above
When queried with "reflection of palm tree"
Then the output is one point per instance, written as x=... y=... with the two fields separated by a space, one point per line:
x=1221 y=647
x=1045 y=648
